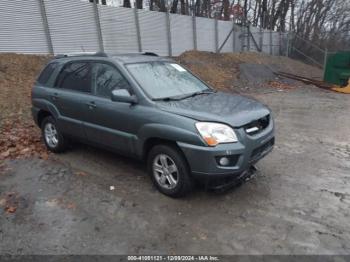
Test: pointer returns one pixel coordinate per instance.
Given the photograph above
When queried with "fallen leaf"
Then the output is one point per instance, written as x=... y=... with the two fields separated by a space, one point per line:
x=10 y=209
x=80 y=173
x=6 y=153
x=25 y=150
x=71 y=206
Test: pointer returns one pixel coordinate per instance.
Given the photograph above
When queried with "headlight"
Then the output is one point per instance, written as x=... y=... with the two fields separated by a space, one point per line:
x=216 y=133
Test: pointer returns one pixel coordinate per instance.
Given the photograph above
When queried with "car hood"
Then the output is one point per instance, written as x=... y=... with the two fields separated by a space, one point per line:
x=234 y=110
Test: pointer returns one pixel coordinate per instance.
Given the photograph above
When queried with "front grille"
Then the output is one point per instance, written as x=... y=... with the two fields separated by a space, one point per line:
x=257 y=152
x=257 y=126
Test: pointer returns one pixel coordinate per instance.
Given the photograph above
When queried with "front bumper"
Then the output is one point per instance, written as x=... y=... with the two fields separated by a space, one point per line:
x=203 y=160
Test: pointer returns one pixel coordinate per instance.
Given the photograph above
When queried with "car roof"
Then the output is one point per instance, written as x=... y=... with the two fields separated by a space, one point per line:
x=123 y=58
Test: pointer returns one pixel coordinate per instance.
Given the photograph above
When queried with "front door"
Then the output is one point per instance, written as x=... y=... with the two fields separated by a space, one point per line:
x=110 y=123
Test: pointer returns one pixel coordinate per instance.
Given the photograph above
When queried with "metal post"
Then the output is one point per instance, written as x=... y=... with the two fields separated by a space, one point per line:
x=194 y=27
x=233 y=36
x=167 y=16
x=287 y=52
x=243 y=37
x=216 y=30
x=138 y=32
x=98 y=25
x=46 y=26
x=271 y=42
x=261 y=39
x=248 y=36
x=280 y=42
x=325 y=61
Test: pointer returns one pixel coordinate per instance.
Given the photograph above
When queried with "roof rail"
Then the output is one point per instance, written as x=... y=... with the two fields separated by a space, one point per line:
x=150 y=53
x=100 y=54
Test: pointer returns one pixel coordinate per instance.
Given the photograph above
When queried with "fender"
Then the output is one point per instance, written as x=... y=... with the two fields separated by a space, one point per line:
x=43 y=104
x=166 y=132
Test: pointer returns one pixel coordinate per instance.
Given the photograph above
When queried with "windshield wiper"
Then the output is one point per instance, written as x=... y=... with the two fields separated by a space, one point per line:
x=198 y=93
x=167 y=99
x=178 y=98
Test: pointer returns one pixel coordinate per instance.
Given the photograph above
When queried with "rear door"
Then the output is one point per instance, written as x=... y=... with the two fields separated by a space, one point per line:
x=72 y=96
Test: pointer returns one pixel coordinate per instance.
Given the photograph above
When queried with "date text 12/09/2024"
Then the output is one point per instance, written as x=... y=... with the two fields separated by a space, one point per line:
x=173 y=258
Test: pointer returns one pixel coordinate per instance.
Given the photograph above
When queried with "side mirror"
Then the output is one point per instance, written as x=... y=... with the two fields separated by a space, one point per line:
x=123 y=95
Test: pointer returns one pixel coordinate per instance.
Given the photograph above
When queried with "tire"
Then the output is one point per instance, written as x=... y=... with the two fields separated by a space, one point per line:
x=54 y=141
x=169 y=171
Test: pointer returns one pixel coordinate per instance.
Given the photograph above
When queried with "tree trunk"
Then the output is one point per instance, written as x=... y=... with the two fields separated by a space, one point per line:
x=226 y=9
x=292 y=16
x=263 y=15
x=198 y=7
x=161 y=5
x=245 y=8
x=174 y=7
x=139 y=4
x=127 y=3
x=182 y=7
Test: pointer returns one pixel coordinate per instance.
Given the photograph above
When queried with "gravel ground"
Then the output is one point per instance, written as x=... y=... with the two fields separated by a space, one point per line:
x=297 y=204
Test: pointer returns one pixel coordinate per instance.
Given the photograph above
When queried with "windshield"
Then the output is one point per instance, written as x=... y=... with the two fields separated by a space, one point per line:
x=165 y=79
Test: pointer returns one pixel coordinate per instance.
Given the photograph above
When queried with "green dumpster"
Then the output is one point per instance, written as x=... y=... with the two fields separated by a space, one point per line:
x=338 y=69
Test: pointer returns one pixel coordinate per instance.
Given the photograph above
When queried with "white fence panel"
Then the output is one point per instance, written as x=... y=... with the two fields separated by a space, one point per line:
x=153 y=30
x=256 y=34
x=181 y=29
x=205 y=34
x=225 y=28
x=118 y=29
x=276 y=43
x=72 y=26
x=266 y=41
x=21 y=27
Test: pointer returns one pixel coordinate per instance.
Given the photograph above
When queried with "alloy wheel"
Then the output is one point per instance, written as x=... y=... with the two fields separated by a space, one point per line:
x=51 y=135
x=165 y=171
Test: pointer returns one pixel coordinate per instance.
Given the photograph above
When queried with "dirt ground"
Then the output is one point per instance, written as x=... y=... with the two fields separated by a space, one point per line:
x=88 y=201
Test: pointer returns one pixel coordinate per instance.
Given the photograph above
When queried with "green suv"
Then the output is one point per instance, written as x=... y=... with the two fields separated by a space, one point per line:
x=154 y=109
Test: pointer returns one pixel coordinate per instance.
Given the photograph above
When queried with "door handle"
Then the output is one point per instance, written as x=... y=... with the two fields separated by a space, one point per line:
x=91 y=105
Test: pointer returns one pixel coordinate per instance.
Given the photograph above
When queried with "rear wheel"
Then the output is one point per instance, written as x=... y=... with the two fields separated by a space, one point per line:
x=169 y=171
x=53 y=138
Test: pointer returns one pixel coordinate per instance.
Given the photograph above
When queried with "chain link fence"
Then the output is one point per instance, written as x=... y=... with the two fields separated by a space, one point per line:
x=307 y=51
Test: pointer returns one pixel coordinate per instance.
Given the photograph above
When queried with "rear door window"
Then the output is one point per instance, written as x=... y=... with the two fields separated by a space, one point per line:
x=46 y=73
x=76 y=76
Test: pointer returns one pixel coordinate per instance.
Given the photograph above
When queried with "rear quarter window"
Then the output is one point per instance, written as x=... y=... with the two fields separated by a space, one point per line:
x=46 y=73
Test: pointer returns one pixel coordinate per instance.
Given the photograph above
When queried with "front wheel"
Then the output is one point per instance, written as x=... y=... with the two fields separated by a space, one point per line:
x=169 y=171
